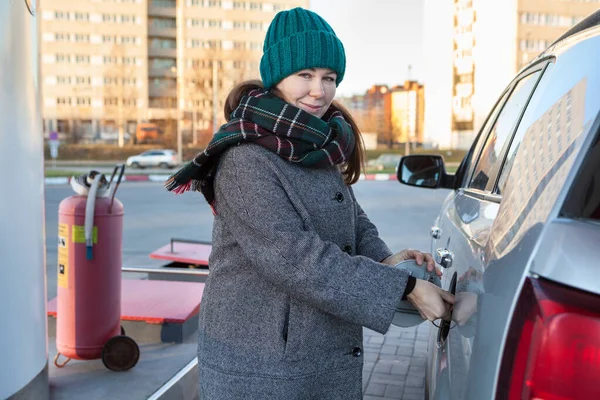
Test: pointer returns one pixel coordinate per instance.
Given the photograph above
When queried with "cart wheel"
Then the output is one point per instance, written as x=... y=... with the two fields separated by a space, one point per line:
x=120 y=353
x=122 y=331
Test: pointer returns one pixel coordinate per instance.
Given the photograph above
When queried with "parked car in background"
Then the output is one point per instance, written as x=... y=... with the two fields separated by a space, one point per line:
x=162 y=158
x=384 y=161
x=518 y=237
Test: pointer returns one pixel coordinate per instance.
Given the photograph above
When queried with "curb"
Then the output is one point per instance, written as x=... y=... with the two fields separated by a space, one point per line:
x=162 y=178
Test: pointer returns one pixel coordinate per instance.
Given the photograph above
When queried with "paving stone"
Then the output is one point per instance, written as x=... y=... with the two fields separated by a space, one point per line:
x=415 y=382
x=376 y=339
x=400 y=369
x=387 y=379
x=383 y=368
x=375 y=389
x=395 y=392
x=388 y=350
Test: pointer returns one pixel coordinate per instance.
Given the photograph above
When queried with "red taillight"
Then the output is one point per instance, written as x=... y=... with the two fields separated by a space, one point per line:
x=553 y=348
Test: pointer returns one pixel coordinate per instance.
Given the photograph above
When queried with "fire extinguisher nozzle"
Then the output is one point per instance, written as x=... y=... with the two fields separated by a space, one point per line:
x=89 y=254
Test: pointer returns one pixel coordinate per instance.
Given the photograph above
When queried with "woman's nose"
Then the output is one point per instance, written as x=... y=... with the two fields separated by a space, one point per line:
x=316 y=89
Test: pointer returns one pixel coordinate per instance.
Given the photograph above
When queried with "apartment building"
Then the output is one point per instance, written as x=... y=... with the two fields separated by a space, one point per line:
x=395 y=114
x=473 y=48
x=107 y=65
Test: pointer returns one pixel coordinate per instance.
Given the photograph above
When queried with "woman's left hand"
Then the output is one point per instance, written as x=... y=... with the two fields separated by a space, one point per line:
x=416 y=255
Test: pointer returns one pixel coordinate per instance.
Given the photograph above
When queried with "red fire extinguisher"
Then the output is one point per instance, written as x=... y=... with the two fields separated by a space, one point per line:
x=88 y=314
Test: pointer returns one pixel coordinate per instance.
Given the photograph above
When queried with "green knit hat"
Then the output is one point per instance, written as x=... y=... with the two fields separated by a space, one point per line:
x=298 y=39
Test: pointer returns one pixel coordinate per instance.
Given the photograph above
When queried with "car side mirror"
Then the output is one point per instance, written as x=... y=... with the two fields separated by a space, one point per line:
x=426 y=171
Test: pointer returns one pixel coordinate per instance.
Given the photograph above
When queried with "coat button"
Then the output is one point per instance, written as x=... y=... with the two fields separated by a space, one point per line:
x=339 y=197
x=357 y=352
x=348 y=249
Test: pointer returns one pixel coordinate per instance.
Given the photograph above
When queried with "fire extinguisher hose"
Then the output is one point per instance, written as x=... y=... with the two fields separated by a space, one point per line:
x=90 y=207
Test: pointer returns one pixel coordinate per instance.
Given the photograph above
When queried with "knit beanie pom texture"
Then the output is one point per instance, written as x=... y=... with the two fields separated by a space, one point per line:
x=298 y=39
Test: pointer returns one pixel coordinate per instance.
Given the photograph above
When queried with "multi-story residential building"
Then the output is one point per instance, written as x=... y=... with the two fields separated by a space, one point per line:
x=395 y=114
x=472 y=50
x=109 y=64
x=406 y=109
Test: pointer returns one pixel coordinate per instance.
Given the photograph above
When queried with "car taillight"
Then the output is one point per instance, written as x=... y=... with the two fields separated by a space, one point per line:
x=553 y=347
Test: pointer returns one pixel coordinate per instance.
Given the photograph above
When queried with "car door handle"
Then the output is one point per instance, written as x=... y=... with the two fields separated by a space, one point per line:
x=436 y=232
x=444 y=257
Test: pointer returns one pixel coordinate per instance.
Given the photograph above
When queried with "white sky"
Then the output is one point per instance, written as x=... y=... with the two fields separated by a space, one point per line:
x=381 y=38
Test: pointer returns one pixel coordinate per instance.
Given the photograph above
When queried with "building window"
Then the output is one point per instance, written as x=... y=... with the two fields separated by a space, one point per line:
x=83 y=80
x=61 y=15
x=128 y=39
x=82 y=38
x=129 y=81
x=62 y=37
x=277 y=7
x=111 y=101
x=109 y=39
x=79 y=16
x=82 y=59
x=239 y=25
x=127 y=19
x=84 y=101
x=129 y=102
x=239 y=5
x=110 y=80
x=128 y=60
x=214 y=23
x=63 y=58
x=109 y=17
x=214 y=3
x=63 y=101
x=255 y=6
x=63 y=80
x=109 y=60
x=255 y=45
x=255 y=25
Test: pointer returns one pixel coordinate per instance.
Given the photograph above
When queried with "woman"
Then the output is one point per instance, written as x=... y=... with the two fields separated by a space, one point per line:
x=296 y=269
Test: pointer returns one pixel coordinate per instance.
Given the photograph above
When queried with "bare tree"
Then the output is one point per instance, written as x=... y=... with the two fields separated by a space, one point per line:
x=120 y=90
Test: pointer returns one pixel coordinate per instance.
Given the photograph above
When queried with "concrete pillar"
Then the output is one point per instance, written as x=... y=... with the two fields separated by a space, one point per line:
x=23 y=332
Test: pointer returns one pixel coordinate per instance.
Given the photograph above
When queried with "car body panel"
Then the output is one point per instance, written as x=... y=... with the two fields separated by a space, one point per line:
x=512 y=229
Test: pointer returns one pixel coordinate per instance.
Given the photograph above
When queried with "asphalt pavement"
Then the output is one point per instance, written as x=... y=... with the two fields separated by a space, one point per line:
x=394 y=365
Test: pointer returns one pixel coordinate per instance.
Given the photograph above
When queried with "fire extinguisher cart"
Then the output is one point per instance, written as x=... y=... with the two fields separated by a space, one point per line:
x=90 y=231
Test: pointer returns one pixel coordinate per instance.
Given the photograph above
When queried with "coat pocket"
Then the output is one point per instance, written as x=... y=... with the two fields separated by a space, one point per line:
x=313 y=334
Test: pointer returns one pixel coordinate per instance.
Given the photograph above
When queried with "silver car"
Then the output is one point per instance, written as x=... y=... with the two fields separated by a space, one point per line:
x=518 y=237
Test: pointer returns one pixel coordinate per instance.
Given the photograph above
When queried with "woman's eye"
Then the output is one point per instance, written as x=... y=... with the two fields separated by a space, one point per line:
x=329 y=79
x=305 y=75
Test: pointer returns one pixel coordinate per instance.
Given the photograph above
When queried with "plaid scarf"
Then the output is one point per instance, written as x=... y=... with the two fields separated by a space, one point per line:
x=267 y=120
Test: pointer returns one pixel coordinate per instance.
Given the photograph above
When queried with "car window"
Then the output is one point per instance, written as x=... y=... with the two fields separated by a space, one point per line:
x=490 y=158
x=524 y=127
x=466 y=166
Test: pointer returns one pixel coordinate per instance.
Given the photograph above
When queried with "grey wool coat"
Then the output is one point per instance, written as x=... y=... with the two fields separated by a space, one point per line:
x=294 y=276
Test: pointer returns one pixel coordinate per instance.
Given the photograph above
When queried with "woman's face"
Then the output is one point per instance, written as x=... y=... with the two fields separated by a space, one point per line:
x=311 y=89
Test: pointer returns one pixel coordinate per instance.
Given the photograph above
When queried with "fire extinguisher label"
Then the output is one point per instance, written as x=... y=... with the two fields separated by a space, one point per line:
x=79 y=234
x=63 y=255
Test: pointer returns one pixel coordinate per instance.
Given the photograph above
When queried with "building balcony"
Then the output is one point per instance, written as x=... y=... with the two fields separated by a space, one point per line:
x=162 y=52
x=155 y=11
x=161 y=73
x=162 y=91
x=162 y=32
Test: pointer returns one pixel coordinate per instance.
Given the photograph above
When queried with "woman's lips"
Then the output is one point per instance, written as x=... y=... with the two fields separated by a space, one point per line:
x=311 y=108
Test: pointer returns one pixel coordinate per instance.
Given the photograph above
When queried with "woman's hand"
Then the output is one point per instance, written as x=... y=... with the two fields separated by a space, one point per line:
x=431 y=301
x=416 y=255
x=465 y=307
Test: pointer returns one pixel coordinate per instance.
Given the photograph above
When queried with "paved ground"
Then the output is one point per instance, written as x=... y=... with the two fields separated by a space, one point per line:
x=395 y=363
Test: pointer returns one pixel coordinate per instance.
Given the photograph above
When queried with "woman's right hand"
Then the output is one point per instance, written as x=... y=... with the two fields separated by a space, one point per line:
x=431 y=301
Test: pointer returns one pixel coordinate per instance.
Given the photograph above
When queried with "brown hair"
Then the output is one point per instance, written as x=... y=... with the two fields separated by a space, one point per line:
x=351 y=169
